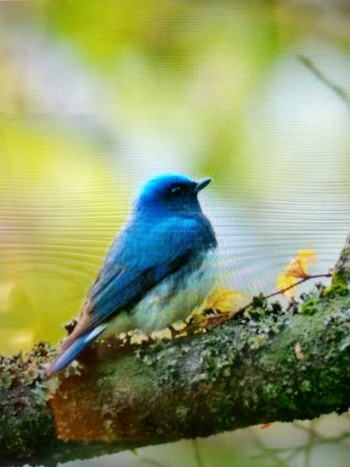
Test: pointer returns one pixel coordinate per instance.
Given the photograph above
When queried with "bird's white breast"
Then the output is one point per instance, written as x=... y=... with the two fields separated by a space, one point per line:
x=176 y=296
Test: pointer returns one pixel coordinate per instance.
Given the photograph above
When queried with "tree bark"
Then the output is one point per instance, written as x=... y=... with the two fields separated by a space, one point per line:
x=274 y=363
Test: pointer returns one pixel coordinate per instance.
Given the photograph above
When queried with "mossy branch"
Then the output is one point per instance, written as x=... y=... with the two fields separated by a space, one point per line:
x=273 y=363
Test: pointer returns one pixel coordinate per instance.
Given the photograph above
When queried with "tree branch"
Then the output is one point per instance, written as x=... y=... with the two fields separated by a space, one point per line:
x=273 y=363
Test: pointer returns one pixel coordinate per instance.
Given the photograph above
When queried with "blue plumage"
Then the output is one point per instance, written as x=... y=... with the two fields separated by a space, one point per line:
x=157 y=270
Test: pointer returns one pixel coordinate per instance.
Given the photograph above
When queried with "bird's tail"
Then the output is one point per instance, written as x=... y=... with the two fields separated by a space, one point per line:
x=71 y=349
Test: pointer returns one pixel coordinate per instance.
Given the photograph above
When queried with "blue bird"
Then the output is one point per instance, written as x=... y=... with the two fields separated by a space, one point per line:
x=158 y=269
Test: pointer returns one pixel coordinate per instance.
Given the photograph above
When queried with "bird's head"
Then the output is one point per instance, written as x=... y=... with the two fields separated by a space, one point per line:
x=171 y=192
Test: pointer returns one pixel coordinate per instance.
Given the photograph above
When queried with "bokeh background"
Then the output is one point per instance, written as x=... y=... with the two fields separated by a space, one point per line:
x=97 y=96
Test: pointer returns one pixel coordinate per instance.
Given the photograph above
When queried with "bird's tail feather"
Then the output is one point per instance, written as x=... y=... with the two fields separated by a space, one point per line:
x=71 y=351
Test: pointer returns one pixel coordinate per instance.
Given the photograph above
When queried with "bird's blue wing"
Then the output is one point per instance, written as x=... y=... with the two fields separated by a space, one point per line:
x=117 y=291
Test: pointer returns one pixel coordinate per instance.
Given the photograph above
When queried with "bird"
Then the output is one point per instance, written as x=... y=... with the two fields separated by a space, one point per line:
x=157 y=271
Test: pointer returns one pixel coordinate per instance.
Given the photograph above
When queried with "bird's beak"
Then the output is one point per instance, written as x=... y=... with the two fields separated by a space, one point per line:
x=202 y=184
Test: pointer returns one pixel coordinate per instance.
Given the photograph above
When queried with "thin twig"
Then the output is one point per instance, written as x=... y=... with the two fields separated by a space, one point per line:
x=304 y=279
x=339 y=90
x=282 y=291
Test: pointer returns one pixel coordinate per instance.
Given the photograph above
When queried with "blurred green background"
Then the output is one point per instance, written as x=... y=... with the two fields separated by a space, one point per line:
x=96 y=96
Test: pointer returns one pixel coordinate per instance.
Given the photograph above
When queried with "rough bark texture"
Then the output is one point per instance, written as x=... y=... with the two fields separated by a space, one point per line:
x=271 y=364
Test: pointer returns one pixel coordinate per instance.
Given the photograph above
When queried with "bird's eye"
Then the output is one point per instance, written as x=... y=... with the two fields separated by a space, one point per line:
x=176 y=190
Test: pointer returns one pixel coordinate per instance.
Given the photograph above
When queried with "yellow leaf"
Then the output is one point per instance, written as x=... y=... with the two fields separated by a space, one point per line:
x=297 y=268
x=284 y=281
x=223 y=300
x=309 y=254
